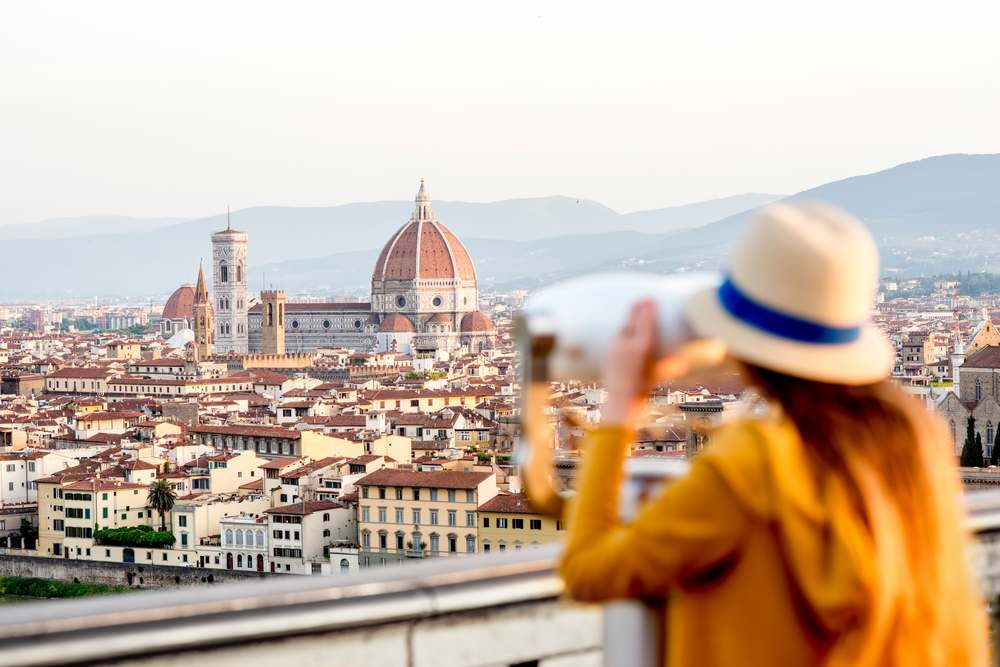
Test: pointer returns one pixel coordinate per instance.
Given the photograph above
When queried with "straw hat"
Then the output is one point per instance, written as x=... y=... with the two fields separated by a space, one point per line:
x=795 y=299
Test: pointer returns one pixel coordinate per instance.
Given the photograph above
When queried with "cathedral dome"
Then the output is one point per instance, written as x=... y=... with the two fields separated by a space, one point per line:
x=440 y=318
x=476 y=322
x=424 y=249
x=396 y=323
x=180 y=305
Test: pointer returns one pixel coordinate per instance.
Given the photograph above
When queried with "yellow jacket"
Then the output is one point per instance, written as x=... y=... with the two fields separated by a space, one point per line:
x=715 y=542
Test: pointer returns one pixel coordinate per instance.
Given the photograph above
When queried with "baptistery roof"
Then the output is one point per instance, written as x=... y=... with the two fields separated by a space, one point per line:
x=424 y=248
x=180 y=305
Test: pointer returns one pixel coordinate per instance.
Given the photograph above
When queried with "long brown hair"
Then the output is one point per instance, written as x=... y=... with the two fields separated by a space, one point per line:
x=898 y=467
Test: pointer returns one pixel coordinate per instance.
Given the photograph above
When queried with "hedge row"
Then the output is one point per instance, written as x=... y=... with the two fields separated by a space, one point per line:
x=139 y=536
x=40 y=588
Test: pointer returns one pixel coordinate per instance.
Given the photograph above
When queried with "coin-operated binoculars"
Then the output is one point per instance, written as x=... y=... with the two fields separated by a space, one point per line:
x=566 y=331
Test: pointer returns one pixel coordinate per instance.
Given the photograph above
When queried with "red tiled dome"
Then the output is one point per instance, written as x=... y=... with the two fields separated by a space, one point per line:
x=396 y=323
x=476 y=321
x=180 y=304
x=423 y=248
x=440 y=318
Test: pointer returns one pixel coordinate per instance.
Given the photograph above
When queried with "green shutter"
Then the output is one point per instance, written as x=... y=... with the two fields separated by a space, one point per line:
x=105 y=509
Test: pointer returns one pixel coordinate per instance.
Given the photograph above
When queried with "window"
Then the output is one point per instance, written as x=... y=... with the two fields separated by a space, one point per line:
x=989 y=438
x=452 y=544
x=486 y=547
x=364 y=492
x=536 y=524
x=229 y=536
x=366 y=540
x=381 y=493
x=517 y=524
x=470 y=545
x=182 y=521
x=416 y=494
x=326 y=517
x=517 y=546
x=124 y=516
x=451 y=495
x=469 y=498
x=434 y=517
x=239 y=538
x=434 y=495
x=184 y=539
x=979 y=390
x=364 y=515
x=104 y=511
x=503 y=546
x=452 y=520
x=399 y=516
x=382 y=540
x=501 y=522
x=416 y=517
x=415 y=403
x=399 y=494
x=284 y=497
x=486 y=522
x=434 y=543
x=470 y=519
x=381 y=515
x=399 y=540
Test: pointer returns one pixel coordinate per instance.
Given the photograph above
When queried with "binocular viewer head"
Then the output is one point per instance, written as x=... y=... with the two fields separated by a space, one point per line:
x=565 y=332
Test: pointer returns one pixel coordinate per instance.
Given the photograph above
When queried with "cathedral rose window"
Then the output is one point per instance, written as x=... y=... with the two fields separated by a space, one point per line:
x=401 y=302
x=436 y=301
x=295 y=324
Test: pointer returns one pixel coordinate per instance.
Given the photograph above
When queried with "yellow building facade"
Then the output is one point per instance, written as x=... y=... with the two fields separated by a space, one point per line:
x=507 y=521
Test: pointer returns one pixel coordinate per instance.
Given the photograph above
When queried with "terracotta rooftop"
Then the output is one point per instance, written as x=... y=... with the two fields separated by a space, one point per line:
x=435 y=479
x=513 y=503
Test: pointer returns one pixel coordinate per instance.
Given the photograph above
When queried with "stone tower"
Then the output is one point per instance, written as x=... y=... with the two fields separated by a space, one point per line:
x=229 y=272
x=203 y=325
x=273 y=321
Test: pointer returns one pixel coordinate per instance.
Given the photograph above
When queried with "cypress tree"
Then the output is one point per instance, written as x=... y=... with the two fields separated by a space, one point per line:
x=968 y=458
x=979 y=450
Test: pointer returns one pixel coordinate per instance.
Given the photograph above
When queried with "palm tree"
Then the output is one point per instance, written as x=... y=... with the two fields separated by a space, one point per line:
x=161 y=498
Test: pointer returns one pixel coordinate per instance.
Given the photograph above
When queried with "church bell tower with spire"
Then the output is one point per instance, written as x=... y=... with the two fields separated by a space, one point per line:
x=203 y=324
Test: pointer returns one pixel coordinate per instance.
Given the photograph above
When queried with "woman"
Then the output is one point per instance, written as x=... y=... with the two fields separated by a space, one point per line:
x=826 y=532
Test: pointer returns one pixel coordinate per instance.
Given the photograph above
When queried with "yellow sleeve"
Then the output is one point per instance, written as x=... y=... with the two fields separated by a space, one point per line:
x=695 y=527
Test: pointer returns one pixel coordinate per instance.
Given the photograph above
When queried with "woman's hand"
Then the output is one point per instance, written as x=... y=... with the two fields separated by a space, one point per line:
x=631 y=368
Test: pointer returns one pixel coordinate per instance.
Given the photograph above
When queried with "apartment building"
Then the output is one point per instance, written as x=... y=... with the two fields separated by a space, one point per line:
x=68 y=512
x=300 y=535
x=508 y=521
x=405 y=514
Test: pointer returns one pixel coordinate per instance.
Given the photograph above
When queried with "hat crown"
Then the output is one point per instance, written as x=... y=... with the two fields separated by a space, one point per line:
x=810 y=261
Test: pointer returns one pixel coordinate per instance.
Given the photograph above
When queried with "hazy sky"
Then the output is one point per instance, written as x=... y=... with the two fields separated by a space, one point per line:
x=176 y=109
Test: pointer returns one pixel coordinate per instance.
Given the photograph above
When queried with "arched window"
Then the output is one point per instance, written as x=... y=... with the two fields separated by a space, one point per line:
x=227 y=304
x=345 y=566
x=260 y=538
x=270 y=315
x=239 y=273
x=239 y=560
x=239 y=538
x=229 y=536
x=979 y=390
x=223 y=273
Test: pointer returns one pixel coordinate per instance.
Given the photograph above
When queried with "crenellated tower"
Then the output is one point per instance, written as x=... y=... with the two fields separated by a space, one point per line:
x=273 y=321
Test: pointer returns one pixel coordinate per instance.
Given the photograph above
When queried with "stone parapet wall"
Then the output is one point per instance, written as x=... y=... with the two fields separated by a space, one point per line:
x=117 y=574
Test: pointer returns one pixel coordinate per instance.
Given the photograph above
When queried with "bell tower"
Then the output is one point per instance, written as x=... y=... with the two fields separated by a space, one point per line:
x=229 y=278
x=203 y=325
x=273 y=321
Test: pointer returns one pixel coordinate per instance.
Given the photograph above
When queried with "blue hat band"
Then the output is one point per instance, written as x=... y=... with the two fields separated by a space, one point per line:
x=745 y=309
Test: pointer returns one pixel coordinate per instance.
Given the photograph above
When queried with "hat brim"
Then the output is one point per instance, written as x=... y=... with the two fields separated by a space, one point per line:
x=866 y=360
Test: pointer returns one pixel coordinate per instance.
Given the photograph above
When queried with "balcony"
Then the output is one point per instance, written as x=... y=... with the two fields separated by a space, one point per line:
x=457 y=612
x=441 y=612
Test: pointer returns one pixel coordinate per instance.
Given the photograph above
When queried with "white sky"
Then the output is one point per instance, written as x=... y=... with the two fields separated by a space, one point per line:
x=176 y=109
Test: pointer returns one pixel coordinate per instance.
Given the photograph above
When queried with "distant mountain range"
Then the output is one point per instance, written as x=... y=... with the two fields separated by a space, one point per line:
x=936 y=215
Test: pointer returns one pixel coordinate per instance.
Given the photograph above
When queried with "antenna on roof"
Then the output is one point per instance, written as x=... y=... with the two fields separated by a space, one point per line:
x=229 y=227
